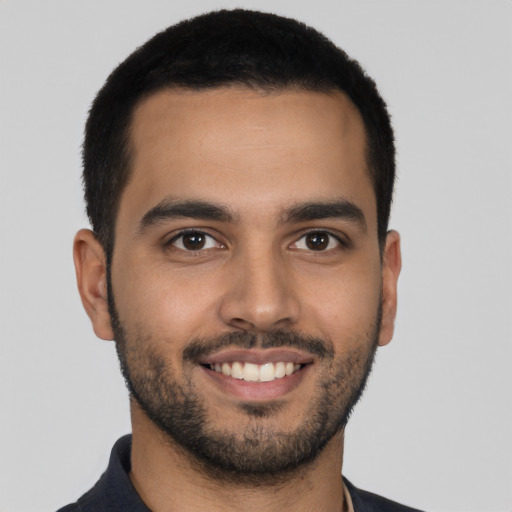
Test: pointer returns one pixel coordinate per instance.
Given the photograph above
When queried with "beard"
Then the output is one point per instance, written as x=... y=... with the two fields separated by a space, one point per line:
x=258 y=453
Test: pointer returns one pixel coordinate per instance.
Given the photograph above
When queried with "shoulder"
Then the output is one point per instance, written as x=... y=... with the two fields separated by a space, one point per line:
x=365 y=501
x=74 y=507
x=114 y=490
x=92 y=501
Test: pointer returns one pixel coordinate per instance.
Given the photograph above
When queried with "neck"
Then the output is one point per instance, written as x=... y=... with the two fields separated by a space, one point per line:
x=168 y=479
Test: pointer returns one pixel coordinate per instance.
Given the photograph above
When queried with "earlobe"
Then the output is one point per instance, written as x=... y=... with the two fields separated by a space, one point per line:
x=391 y=265
x=90 y=268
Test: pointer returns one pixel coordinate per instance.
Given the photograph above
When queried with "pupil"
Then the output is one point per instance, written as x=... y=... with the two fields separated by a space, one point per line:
x=193 y=241
x=317 y=241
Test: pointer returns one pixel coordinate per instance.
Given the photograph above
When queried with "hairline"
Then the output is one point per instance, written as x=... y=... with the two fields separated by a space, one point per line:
x=127 y=138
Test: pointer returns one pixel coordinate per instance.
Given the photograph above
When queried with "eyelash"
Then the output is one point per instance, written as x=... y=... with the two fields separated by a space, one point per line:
x=343 y=243
x=171 y=243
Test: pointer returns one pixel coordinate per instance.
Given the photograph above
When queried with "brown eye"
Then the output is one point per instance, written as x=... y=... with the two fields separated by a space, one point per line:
x=317 y=241
x=195 y=241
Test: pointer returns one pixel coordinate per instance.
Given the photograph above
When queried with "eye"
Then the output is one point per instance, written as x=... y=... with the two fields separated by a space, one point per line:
x=194 y=241
x=317 y=241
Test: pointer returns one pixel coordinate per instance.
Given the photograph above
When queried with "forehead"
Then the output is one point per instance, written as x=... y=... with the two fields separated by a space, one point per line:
x=246 y=149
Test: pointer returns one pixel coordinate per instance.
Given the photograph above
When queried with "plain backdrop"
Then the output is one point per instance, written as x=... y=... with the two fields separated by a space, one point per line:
x=433 y=429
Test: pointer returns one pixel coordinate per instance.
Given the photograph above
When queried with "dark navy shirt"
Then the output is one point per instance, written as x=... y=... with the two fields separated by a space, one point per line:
x=114 y=491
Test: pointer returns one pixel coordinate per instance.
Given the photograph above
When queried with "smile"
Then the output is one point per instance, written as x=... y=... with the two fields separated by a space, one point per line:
x=257 y=374
x=251 y=372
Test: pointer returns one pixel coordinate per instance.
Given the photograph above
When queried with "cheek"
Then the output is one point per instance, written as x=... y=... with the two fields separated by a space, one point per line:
x=171 y=306
x=345 y=305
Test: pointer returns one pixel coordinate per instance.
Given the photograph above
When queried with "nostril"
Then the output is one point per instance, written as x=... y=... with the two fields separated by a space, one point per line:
x=240 y=323
x=253 y=308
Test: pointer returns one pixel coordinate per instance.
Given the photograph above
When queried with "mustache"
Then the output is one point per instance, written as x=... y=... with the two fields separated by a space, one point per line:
x=204 y=347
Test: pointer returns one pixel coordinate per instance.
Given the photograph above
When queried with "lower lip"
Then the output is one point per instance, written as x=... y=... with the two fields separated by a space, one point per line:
x=257 y=391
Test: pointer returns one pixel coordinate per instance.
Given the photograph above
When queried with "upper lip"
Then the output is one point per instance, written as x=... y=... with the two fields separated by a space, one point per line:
x=258 y=356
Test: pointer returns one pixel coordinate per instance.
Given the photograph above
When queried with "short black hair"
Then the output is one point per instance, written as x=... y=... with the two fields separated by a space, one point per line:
x=222 y=48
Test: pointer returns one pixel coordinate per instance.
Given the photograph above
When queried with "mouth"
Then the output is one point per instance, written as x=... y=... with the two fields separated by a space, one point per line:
x=251 y=372
x=257 y=374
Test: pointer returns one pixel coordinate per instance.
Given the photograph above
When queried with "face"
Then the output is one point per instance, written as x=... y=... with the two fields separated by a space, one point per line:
x=247 y=289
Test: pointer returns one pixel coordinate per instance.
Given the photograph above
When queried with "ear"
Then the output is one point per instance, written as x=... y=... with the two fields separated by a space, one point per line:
x=91 y=277
x=391 y=265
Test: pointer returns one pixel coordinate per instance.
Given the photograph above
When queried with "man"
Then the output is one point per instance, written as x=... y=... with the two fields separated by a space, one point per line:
x=238 y=173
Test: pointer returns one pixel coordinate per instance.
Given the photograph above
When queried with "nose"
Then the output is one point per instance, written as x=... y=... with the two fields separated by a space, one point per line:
x=260 y=295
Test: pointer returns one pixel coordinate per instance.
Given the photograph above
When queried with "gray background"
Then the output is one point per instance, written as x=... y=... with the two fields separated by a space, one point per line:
x=433 y=429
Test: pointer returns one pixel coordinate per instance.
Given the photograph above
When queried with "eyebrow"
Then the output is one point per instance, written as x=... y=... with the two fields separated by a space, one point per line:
x=340 y=209
x=170 y=209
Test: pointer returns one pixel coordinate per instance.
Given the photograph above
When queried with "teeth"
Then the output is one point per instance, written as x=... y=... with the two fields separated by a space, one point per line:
x=251 y=372
x=226 y=369
x=267 y=372
x=280 y=370
x=237 y=370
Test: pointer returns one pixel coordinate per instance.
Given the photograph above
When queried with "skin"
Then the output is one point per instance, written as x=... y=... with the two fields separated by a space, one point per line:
x=259 y=155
